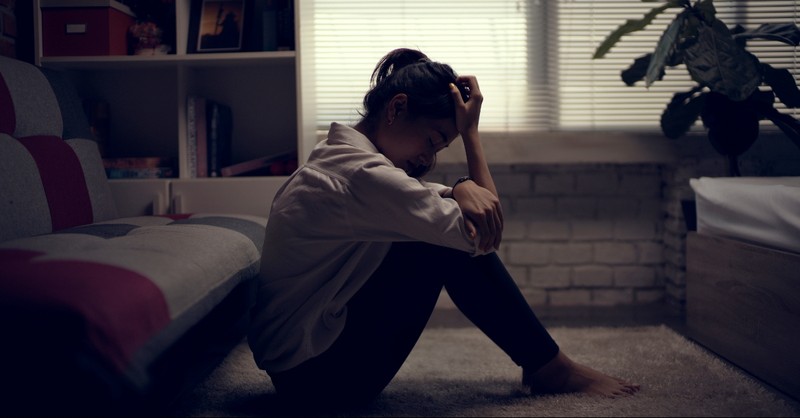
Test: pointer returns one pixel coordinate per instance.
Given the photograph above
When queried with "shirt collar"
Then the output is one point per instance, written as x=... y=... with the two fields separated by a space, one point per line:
x=343 y=134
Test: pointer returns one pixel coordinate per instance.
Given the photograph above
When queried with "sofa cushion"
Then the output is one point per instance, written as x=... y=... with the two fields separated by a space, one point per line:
x=24 y=203
x=136 y=285
x=48 y=184
x=101 y=199
x=28 y=104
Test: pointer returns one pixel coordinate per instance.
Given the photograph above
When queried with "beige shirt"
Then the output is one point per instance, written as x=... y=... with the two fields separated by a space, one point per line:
x=330 y=226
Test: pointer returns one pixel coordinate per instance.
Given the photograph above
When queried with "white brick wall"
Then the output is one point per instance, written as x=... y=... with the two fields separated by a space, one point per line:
x=580 y=234
x=608 y=234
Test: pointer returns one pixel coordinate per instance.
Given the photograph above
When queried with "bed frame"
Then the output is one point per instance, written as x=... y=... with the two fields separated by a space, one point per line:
x=743 y=303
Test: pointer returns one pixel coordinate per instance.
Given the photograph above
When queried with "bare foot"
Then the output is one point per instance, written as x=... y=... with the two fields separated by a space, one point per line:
x=562 y=375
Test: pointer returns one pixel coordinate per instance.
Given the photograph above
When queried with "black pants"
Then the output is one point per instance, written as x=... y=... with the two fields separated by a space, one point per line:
x=386 y=317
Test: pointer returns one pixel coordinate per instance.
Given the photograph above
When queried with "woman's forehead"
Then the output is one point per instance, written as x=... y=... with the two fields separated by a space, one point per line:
x=445 y=128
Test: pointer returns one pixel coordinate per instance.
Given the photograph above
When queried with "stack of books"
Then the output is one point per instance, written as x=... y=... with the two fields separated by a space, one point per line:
x=139 y=167
x=281 y=164
x=210 y=131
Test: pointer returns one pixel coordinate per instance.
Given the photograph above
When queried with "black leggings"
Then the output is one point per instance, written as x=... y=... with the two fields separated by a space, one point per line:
x=388 y=314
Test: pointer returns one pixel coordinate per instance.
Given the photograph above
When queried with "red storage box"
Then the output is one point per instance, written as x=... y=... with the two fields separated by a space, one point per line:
x=85 y=27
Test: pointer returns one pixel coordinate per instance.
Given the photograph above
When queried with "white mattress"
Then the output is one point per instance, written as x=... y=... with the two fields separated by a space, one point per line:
x=763 y=210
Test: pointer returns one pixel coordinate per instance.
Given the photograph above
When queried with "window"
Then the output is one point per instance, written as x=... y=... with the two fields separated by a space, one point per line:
x=533 y=58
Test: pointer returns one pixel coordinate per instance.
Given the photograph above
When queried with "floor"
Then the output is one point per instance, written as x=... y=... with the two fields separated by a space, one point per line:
x=447 y=315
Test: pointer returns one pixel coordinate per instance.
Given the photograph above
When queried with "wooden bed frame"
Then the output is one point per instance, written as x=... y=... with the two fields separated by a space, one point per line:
x=743 y=303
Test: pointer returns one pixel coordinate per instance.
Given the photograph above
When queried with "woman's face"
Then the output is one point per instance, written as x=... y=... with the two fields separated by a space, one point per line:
x=411 y=143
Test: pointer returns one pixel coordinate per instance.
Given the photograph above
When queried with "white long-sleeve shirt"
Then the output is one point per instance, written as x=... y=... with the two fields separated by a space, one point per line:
x=330 y=226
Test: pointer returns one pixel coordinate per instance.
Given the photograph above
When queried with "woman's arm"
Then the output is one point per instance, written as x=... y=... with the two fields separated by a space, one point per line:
x=478 y=198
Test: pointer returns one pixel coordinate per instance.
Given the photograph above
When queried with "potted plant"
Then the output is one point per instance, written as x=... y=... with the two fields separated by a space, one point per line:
x=734 y=89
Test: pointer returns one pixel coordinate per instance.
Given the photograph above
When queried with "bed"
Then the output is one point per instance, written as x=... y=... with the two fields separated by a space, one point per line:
x=743 y=275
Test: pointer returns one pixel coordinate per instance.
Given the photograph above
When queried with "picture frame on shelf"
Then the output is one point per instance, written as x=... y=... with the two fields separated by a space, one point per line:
x=217 y=25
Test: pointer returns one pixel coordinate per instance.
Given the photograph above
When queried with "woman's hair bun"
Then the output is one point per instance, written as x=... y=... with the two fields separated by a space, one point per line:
x=394 y=61
x=425 y=83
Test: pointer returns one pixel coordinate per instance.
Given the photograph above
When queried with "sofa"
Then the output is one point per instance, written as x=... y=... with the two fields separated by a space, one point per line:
x=101 y=314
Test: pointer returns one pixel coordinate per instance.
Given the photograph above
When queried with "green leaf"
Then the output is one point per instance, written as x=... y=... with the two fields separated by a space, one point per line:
x=681 y=112
x=637 y=70
x=789 y=125
x=706 y=10
x=715 y=60
x=783 y=84
x=629 y=26
x=787 y=33
x=735 y=32
x=675 y=56
x=665 y=48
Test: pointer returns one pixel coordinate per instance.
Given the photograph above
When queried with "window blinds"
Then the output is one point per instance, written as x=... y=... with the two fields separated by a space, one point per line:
x=533 y=58
x=484 y=38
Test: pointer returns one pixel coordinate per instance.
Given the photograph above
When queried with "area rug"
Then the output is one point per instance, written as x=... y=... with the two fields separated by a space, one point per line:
x=460 y=372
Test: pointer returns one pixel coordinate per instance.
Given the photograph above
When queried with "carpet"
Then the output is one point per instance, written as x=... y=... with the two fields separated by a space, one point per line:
x=460 y=372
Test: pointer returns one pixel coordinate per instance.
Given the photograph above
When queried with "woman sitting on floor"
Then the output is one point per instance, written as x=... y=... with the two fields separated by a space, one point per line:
x=358 y=249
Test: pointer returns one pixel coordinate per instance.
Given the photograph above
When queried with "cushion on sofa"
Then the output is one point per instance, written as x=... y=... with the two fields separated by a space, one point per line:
x=137 y=284
x=47 y=183
x=28 y=104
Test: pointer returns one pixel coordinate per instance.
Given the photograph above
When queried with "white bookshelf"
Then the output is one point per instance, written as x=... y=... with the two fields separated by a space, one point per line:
x=147 y=100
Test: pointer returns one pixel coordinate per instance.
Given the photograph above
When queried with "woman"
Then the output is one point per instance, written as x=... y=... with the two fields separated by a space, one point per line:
x=358 y=249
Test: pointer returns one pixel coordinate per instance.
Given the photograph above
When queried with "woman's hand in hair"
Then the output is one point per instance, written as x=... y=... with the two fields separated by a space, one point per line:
x=482 y=213
x=467 y=113
x=477 y=198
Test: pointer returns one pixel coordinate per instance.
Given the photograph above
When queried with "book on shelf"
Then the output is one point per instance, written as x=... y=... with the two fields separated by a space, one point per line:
x=286 y=26
x=138 y=162
x=209 y=135
x=139 y=167
x=191 y=135
x=269 y=26
x=140 y=173
x=281 y=164
x=202 y=137
x=197 y=144
x=219 y=135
